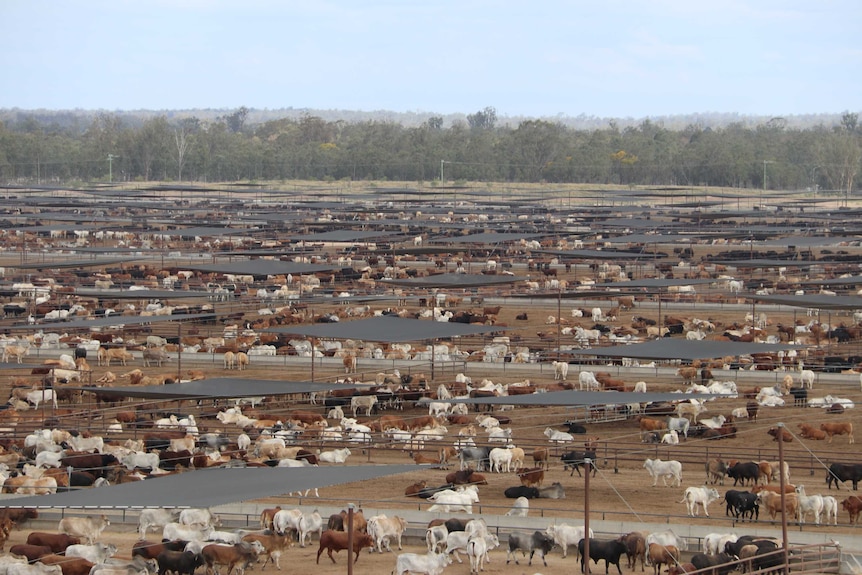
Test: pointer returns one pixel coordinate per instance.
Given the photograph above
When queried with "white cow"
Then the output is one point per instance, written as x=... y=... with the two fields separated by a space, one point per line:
x=499 y=458
x=808 y=504
x=429 y=564
x=447 y=500
x=666 y=538
x=555 y=436
x=664 y=469
x=96 y=553
x=830 y=509
x=286 y=520
x=435 y=537
x=382 y=528
x=806 y=378
x=702 y=496
x=334 y=456
x=713 y=543
x=173 y=531
x=478 y=547
x=309 y=523
x=521 y=508
x=87 y=528
x=561 y=370
x=156 y=517
x=199 y=518
x=587 y=380
x=566 y=535
x=671 y=437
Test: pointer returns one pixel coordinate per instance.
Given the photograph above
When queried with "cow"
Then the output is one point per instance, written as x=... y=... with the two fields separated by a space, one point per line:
x=808 y=431
x=480 y=456
x=478 y=547
x=86 y=528
x=552 y=491
x=273 y=546
x=832 y=429
x=578 y=459
x=459 y=541
x=199 y=518
x=667 y=537
x=853 y=505
x=75 y=566
x=844 y=472
x=34 y=569
x=267 y=515
x=714 y=543
x=772 y=502
x=699 y=496
x=741 y=472
x=561 y=370
x=429 y=564
x=155 y=517
x=808 y=504
x=311 y=522
x=781 y=434
x=742 y=503
x=363 y=402
x=151 y=549
x=238 y=555
x=31 y=552
x=540 y=457
x=521 y=491
x=287 y=521
x=173 y=531
x=830 y=509
x=635 y=543
x=337 y=540
x=531 y=477
x=334 y=455
x=721 y=563
x=525 y=542
x=179 y=562
x=156 y=355
x=566 y=535
x=610 y=551
x=716 y=469
x=382 y=528
x=679 y=424
x=664 y=469
x=662 y=555
x=97 y=553
x=520 y=508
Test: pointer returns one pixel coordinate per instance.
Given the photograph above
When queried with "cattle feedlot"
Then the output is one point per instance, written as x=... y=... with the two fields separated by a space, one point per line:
x=658 y=466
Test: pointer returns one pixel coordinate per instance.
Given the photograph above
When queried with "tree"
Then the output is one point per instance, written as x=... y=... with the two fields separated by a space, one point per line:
x=483 y=119
x=236 y=121
x=183 y=143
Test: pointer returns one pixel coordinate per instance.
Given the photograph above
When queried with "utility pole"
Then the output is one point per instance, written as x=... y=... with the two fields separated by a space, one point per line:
x=764 y=180
x=441 y=171
x=111 y=167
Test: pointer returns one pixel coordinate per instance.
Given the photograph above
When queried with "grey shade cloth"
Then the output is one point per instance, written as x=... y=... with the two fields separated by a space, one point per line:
x=819 y=301
x=670 y=348
x=455 y=281
x=221 y=387
x=114 y=320
x=261 y=268
x=573 y=398
x=207 y=487
x=86 y=263
x=389 y=329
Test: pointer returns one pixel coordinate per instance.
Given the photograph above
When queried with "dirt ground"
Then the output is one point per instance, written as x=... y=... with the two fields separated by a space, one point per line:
x=620 y=490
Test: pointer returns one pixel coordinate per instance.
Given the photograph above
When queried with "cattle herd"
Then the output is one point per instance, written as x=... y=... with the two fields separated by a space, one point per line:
x=511 y=461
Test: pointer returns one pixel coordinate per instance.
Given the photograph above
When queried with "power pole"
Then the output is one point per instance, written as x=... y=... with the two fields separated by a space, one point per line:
x=111 y=167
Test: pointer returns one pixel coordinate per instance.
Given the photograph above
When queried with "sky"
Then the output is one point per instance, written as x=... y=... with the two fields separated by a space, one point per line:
x=546 y=58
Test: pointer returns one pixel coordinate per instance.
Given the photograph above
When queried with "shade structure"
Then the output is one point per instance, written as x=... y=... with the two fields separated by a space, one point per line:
x=573 y=398
x=142 y=293
x=113 y=321
x=261 y=268
x=217 y=388
x=455 y=281
x=207 y=487
x=388 y=329
x=669 y=349
x=67 y=263
x=818 y=301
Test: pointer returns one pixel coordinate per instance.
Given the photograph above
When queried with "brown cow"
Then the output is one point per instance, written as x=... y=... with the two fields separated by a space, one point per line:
x=838 y=429
x=853 y=505
x=267 y=515
x=772 y=501
x=273 y=546
x=31 y=552
x=788 y=488
x=415 y=488
x=239 y=555
x=308 y=418
x=681 y=568
x=70 y=566
x=808 y=431
x=662 y=555
x=785 y=435
x=540 y=457
x=56 y=541
x=151 y=549
x=531 y=477
x=688 y=374
x=635 y=548
x=337 y=540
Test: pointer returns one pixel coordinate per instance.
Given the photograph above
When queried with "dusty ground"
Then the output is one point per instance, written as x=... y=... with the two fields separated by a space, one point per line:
x=621 y=490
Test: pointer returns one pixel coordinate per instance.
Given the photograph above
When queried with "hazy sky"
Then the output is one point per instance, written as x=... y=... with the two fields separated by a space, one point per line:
x=540 y=58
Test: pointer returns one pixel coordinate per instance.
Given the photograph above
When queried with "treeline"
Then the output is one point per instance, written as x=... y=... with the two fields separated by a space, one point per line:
x=229 y=147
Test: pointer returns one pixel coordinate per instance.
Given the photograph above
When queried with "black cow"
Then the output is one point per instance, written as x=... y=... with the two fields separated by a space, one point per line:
x=844 y=472
x=743 y=471
x=610 y=551
x=800 y=396
x=454 y=524
x=574 y=427
x=179 y=562
x=763 y=545
x=521 y=491
x=742 y=503
x=575 y=460
x=427 y=492
x=722 y=563
x=524 y=542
